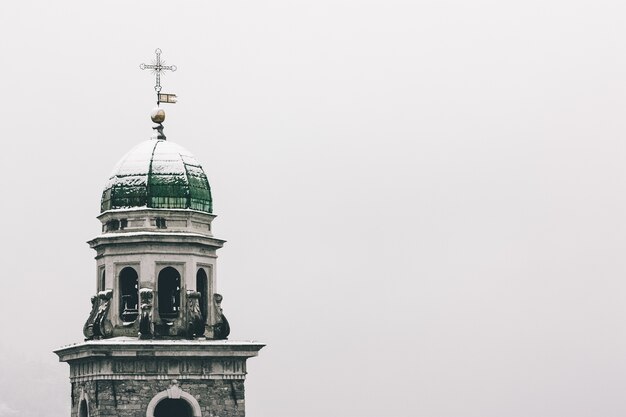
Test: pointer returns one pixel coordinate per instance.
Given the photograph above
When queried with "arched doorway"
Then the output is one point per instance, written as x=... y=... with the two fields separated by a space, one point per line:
x=170 y=407
x=173 y=402
x=83 y=409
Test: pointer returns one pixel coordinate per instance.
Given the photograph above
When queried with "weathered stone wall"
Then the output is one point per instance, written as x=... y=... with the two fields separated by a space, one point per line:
x=130 y=398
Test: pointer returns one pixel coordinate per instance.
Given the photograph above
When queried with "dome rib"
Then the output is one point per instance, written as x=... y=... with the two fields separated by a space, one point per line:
x=188 y=182
x=150 y=173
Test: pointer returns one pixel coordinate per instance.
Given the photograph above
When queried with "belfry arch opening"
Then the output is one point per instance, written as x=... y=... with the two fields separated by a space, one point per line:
x=169 y=293
x=171 y=407
x=102 y=280
x=202 y=286
x=129 y=294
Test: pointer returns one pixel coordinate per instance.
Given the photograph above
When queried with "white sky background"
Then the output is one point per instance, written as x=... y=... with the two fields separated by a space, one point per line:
x=423 y=200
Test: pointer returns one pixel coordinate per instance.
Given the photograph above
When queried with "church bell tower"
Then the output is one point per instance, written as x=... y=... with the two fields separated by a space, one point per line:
x=156 y=337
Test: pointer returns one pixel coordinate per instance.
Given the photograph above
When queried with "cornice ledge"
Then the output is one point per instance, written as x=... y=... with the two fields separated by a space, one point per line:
x=167 y=348
x=158 y=237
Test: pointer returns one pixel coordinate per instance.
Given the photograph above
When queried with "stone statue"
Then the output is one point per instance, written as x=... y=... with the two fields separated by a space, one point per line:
x=146 y=330
x=195 y=320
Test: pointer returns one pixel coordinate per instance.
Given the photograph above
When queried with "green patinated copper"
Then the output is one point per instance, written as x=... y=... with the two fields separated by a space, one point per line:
x=158 y=174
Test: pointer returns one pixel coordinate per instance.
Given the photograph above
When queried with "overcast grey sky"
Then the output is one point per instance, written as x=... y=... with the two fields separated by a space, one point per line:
x=423 y=200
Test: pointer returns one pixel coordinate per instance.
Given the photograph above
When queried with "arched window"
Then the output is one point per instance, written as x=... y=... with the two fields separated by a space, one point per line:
x=170 y=407
x=129 y=296
x=102 y=282
x=202 y=286
x=83 y=409
x=169 y=293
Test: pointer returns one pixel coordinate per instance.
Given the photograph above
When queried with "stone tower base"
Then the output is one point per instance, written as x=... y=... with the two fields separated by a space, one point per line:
x=126 y=377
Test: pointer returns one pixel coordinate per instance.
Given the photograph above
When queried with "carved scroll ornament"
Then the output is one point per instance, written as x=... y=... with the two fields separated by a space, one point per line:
x=221 y=329
x=98 y=324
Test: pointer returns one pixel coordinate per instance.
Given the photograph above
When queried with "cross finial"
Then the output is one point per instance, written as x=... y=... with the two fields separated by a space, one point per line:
x=157 y=68
x=158 y=115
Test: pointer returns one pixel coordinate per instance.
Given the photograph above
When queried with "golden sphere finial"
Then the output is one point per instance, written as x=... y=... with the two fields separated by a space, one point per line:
x=157 y=115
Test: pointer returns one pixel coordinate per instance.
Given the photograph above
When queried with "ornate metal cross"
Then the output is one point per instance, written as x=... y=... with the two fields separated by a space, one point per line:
x=157 y=68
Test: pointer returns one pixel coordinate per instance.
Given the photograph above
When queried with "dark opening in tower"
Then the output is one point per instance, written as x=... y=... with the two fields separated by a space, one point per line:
x=129 y=295
x=172 y=408
x=169 y=293
x=102 y=280
x=202 y=286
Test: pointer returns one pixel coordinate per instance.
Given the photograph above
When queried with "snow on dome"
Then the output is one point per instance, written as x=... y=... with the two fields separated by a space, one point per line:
x=157 y=174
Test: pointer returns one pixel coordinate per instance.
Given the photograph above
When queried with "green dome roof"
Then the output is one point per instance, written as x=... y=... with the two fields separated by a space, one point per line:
x=157 y=174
